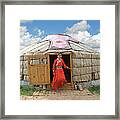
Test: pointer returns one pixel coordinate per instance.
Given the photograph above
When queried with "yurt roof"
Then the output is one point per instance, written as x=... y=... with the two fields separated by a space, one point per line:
x=55 y=43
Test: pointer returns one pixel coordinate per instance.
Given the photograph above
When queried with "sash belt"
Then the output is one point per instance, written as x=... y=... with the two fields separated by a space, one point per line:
x=59 y=67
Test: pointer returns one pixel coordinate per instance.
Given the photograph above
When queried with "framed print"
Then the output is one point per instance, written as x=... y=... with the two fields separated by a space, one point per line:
x=59 y=59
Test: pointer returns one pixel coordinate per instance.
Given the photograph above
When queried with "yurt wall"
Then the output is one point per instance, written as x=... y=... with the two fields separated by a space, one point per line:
x=23 y=68
x=86 y=66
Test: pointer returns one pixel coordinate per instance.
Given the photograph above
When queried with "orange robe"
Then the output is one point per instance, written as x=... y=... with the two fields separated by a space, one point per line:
x=59 y=76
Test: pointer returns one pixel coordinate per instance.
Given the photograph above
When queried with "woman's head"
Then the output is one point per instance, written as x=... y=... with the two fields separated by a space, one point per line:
x=59 y=55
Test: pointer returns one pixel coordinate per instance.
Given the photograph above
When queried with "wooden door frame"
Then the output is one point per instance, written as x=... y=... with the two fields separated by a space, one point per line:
x=48 y=57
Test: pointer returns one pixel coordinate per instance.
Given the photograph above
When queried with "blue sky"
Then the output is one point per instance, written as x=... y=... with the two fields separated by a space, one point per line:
x=86 y=31
x=57 y=26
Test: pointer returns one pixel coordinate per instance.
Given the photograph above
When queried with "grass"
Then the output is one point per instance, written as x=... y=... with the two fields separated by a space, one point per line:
x=95 y=89
x=28 y=90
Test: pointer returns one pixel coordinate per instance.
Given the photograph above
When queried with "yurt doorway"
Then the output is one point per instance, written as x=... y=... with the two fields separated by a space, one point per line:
x=66 y=58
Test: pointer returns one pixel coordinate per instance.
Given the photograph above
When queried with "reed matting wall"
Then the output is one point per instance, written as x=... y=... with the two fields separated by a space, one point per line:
x=85 y=66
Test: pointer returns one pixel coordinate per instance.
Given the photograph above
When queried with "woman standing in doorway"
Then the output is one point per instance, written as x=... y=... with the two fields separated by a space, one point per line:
x=58 y=72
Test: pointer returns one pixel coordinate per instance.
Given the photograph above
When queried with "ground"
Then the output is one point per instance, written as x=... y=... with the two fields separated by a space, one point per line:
x=63 y=95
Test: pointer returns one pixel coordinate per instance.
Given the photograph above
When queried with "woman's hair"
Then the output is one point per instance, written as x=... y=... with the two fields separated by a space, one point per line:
x=59 y=53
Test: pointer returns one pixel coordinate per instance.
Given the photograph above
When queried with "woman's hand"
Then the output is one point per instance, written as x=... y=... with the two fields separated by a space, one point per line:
x=68 y=67
x=53 y=72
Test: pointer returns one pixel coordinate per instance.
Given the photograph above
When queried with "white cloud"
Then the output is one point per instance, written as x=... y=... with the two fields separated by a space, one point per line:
x=94 y=41
x=88 y=39
x=27 y=39
x=79 y=31
x=40 y=33
x=80 y=26
x=81 y=36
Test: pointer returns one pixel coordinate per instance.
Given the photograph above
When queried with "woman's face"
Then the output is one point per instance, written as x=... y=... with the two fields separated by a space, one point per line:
x=59 y=56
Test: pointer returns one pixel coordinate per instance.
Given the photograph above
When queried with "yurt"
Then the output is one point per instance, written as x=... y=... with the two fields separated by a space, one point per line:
x=37 y=59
